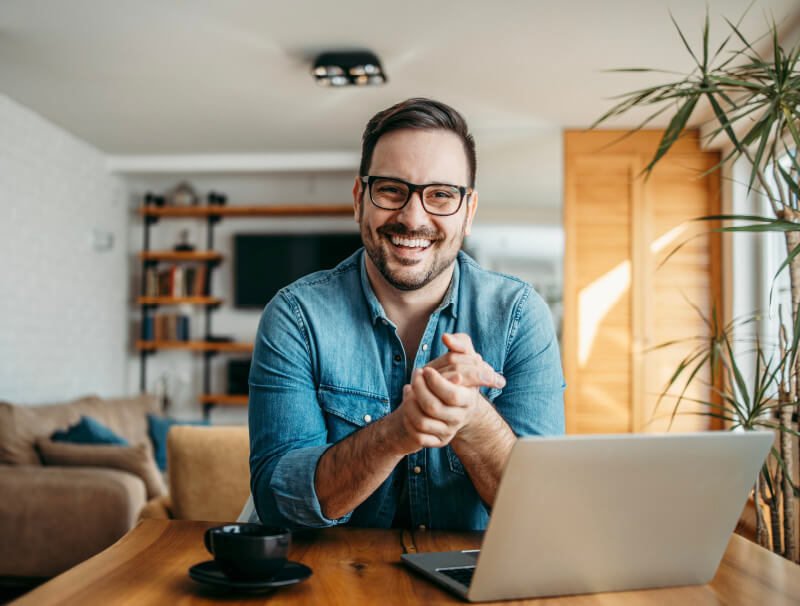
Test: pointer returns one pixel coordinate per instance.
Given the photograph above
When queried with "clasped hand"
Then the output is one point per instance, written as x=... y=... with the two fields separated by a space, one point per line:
x=443 y=397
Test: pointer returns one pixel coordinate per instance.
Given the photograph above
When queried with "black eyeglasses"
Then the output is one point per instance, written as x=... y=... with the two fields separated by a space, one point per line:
x=439 y=199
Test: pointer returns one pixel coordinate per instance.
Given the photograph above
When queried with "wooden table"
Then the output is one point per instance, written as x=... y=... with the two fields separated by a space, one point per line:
x=362 y=566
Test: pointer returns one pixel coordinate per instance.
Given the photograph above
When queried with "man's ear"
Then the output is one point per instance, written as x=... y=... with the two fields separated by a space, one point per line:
x=472 y=206
x=357 y=197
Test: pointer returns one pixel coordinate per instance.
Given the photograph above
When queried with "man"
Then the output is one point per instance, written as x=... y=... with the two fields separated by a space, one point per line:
x=370 y=401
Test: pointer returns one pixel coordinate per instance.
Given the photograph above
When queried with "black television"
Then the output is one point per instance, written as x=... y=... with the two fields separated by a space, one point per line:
x=265 y=263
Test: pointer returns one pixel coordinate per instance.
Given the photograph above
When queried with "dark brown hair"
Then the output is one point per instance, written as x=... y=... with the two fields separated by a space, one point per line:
x=422 y=114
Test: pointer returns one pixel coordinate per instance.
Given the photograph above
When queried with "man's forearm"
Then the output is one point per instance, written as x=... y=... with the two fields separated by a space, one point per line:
x=483 y=448
x=352 y=469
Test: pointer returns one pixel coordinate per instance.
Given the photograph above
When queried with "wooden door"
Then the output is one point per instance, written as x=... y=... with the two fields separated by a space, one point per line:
x=619 y=301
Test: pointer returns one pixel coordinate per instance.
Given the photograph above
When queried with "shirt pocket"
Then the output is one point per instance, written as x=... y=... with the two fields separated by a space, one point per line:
x=347 y=410
x=453 y=461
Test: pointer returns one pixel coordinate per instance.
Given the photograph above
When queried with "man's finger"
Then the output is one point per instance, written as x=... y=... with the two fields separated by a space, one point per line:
x=451 y=359
x=459 y=342
x=474 y=373
x=445 y=391
x=430 y=404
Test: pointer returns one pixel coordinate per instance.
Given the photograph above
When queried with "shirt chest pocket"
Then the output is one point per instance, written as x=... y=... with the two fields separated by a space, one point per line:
x=348 y=410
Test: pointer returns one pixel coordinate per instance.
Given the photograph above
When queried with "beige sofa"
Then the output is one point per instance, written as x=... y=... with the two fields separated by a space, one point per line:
x=55 y=516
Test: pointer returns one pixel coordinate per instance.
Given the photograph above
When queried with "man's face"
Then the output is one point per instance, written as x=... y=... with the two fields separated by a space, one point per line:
x=409 y=247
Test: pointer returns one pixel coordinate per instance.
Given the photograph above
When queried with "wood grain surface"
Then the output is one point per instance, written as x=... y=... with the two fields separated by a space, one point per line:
x=362 y=566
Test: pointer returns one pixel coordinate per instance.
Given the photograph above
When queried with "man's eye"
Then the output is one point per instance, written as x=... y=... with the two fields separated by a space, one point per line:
x=444 y=194
x=388 y=189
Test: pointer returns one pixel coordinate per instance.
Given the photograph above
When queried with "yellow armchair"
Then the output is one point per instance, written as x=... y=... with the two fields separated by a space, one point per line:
x=208 y=473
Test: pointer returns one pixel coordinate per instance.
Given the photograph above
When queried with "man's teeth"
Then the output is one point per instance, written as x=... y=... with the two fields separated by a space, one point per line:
x=417 y=243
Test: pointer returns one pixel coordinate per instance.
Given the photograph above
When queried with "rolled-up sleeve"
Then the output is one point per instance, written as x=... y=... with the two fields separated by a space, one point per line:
x=532 y=401
x=288 y=434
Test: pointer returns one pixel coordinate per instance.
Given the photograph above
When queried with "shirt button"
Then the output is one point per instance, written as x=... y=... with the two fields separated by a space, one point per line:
x=417 y=469
x=385 y=323
x=398 y=358
x=367 y=418
x=421 y=526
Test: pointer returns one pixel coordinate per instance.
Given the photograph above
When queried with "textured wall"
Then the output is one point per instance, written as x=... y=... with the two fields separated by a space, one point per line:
x=63 y=289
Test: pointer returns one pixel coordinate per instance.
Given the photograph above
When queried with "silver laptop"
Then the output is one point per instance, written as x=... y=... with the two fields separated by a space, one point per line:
x=587 y=514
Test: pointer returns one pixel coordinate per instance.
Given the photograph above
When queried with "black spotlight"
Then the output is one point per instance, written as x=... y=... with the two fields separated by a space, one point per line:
x=358 y=68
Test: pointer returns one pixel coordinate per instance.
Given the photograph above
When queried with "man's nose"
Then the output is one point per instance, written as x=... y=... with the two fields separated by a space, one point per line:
x=413 y=213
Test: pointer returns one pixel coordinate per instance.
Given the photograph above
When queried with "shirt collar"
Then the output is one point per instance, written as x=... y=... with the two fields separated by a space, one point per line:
x=449 y=301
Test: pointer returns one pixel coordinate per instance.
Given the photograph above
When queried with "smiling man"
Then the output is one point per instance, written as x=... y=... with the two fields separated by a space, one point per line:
x=389 y=390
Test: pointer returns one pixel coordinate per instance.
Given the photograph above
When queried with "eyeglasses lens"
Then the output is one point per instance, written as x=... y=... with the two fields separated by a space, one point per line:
x=437 y=199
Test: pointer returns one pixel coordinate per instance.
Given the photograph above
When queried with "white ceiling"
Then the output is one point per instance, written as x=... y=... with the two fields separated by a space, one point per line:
x=226 y=76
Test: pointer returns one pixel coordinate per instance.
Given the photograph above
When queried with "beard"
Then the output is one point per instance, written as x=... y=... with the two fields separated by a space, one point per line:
x=441 y=256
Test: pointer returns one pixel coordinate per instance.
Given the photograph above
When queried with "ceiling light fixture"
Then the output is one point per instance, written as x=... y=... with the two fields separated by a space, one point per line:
x=358 y=68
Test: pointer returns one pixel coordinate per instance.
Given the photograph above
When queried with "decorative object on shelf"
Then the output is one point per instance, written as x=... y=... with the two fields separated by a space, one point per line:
x=183 y=194
x=356 y=68
x=183 y=244
x=219 y=339
x=150 y=199
x=215 y=199
x=755 y=101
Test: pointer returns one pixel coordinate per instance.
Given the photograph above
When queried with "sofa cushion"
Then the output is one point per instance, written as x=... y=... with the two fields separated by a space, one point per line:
x=135 y=459
x=21 y=426
x=159 y=428
x=88 y=431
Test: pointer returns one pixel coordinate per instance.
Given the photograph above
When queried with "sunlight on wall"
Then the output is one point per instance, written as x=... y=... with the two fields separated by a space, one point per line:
x=594 y=303
x=668 y=238
x=597 y=299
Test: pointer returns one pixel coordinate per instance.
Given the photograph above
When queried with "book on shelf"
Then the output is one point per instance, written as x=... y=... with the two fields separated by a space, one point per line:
x=175 y=281
x=166 y=327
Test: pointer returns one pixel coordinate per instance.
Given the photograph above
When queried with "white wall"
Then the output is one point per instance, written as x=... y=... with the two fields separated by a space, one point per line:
x=63 y=317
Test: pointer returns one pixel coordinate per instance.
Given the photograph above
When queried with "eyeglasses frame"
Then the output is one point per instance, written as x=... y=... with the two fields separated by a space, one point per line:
x=368 y=180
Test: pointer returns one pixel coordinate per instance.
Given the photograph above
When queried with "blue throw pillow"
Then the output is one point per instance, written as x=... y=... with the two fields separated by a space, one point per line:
x=158 y=428
x=88 y=431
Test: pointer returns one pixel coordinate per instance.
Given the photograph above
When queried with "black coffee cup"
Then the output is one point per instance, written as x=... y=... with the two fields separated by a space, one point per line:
x=248 y=551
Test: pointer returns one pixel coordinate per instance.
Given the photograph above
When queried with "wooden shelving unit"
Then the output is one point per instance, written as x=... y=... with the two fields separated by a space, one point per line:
x=216 y=346
x=224 y=399
x=211 y=214
x=178 y=300
x=248 y=211
x=181 y=256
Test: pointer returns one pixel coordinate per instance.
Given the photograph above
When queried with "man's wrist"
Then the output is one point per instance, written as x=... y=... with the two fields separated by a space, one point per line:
x=481 y=417
x=390 y=435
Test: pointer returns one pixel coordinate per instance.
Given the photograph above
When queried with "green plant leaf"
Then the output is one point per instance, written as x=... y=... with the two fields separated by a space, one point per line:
x=688 y=382
x=674 y=130
x=793 y=187
x=740 y=382
x=723 y=120
x=789 y=258
x=685 y=43
x=767 y=120
x=792 y=128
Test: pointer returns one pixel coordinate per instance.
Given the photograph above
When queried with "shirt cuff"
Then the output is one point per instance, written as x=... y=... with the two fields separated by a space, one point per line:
x=292 y=486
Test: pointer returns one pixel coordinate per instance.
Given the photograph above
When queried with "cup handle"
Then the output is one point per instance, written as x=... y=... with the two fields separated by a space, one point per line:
x=207 y=540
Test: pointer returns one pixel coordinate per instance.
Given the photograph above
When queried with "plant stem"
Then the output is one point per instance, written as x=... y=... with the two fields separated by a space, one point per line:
x=786 y=440
x=761 y=524
x=775 y=521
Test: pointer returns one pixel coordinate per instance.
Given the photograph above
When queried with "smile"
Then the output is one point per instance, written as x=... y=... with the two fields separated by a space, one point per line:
x=410 y=243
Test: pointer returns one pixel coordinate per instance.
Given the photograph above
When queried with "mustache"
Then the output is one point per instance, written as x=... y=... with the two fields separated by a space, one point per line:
x=398 y=229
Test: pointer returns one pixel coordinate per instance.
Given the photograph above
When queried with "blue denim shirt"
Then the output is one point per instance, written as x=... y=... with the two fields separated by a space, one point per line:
x=327 y=362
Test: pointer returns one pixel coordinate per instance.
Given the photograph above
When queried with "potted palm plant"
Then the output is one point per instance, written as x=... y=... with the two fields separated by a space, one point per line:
x=755 y=99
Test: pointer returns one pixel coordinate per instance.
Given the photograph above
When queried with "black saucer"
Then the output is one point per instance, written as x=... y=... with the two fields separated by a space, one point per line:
x=210 y=573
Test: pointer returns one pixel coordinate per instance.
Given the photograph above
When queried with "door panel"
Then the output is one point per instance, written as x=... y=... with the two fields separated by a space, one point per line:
x=619 y=299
